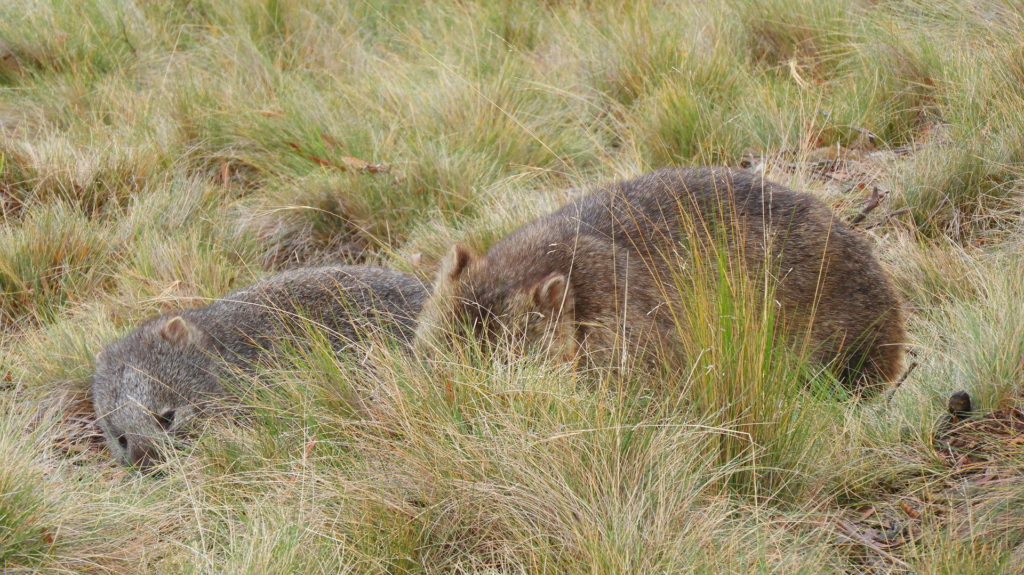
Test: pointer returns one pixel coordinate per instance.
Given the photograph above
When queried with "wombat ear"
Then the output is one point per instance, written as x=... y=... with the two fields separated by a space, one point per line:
x=456 y=262
x=178 y=330
x=553 y=293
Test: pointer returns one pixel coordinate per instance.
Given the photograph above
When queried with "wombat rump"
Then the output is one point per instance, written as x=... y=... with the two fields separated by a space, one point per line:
x=151 y=384
x=599 y=276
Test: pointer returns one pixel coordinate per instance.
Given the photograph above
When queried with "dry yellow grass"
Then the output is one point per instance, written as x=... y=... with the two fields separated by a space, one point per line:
x=155 y=155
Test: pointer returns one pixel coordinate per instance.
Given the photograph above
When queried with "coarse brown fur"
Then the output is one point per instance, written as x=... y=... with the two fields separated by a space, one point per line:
x=152 y=384
x=598 y=277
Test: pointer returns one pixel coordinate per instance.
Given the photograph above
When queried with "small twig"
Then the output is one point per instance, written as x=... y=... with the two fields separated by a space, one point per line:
x=934 y=213
x=896 y=385
x=124 y=32
x=873 y=202
x=349 y=163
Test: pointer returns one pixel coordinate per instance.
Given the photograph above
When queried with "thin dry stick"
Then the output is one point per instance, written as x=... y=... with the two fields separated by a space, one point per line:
x=934 y=213
x=873 y=202
x=900 y=381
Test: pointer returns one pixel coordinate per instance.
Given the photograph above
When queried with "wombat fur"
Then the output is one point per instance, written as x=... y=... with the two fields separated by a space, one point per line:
x=150 y=385
x=599 y=275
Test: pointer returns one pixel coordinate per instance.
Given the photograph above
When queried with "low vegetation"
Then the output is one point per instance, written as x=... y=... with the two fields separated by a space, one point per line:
x=155 y=155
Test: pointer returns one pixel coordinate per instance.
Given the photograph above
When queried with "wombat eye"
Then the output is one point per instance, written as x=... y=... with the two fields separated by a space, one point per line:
x=122 y=441
x=166 y=419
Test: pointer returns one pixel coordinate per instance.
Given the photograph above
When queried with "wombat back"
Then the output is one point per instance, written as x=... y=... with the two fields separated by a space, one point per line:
x=600 y=273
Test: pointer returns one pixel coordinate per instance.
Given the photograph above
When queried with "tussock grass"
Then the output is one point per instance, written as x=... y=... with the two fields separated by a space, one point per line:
x=156 y=155
x=54 y=256
x=26 y=513
x=992 y=370
x=517 y=467
x=746 y=377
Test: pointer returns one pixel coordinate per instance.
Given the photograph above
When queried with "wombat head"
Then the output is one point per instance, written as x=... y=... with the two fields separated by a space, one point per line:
x=150 y=385
x=498 y=305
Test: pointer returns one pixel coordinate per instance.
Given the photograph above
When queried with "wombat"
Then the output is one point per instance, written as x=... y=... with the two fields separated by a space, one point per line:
x=150 y=385
x=599 y=276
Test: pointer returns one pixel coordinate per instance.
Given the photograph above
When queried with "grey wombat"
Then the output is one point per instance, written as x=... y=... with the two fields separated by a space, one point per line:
x=596 y=275
x=158 y=378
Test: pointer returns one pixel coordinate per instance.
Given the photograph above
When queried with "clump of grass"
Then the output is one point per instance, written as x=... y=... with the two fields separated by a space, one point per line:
x=54 y=169
x=780 y=34
x=634 y=49
x=890 y=88
x=325 y=224
x=57 y=255
x=93 y=39
x=751 y=375
x=957 y=192
x=932 y=274
x=468 y=465
x=991 y=371
x=688 y=124
x=962 y=183
x=941 y=552
x=27 y=519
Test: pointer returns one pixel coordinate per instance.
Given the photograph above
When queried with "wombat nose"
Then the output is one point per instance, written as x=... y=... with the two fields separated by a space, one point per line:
x=142 y=453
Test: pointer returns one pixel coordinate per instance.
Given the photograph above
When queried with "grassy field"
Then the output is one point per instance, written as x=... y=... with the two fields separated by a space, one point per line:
x=154 y=155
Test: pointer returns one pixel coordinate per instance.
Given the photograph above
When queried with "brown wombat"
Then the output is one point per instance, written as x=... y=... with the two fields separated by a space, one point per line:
x=152 y=383
x=599 y=275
